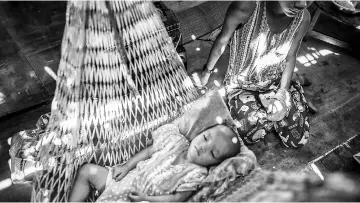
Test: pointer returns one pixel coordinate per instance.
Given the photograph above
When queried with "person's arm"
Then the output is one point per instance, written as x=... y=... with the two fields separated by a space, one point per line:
x=277 y=109
x=291 y=57
x=177 y=197
x=121 y=170
x=237 y=13
x=141 y=156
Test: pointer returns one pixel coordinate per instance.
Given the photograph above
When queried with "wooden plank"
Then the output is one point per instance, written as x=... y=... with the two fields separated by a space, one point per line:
x=338 y=159
x=19 y=86
x=314 y=19
x=34 y=26
x=50 y=58
x=31 y=33
x=7 y=46
x=330 y=40
x=334 y=27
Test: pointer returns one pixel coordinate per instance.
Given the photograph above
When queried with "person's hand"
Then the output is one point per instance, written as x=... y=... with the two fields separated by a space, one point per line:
x=120 y=171
x=200 y=78
x=137 y=197
x=277 y=108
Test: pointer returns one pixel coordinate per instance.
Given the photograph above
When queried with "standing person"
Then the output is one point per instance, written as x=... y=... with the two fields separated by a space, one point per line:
x=261 y=94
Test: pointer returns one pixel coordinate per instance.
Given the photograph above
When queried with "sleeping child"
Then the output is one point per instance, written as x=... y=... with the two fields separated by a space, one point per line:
x=169 y=170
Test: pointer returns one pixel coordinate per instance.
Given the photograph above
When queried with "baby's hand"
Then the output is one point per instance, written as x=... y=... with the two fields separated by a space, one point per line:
x=120 y=171
x=137 y=197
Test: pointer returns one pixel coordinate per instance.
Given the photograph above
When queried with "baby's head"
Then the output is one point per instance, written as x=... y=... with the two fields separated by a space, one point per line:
x=213 y=146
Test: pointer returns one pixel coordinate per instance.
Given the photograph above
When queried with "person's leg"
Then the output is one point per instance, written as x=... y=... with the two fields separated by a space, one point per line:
x=249 y=116
x=88 y=174
x=294 y=128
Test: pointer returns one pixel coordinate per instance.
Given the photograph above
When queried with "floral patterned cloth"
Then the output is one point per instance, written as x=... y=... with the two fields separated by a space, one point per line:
x=250 y=118
x=158 y=175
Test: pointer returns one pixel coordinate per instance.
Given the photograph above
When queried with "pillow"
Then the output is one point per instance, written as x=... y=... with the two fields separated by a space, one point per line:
x=201 y=114
x=221 y=177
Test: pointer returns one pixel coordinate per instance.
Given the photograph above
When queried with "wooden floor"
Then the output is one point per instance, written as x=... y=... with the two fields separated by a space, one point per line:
x=335 y=75
x=31 y=34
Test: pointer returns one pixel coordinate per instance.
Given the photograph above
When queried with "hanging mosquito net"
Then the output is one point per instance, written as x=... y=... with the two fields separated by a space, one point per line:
x=119 y=78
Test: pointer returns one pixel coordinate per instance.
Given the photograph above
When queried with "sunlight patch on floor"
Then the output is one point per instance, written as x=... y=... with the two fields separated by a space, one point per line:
x=2 y=98
x=5 y=183
x=313 y=55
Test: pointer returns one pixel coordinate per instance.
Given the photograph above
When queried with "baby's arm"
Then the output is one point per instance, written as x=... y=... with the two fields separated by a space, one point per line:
x=160 y=139
x=141 y=156
x=177 y=197
x=121 y=170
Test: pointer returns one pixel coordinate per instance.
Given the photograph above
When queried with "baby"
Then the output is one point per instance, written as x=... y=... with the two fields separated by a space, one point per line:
x=169 y=170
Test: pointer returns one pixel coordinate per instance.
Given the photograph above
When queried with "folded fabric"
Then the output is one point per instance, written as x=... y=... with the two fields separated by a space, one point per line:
x=23 y=163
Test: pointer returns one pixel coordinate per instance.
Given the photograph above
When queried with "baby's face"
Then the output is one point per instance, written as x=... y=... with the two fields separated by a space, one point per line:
x=213 y=146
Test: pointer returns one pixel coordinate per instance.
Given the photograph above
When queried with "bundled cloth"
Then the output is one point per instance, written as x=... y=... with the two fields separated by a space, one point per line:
x=24 y=150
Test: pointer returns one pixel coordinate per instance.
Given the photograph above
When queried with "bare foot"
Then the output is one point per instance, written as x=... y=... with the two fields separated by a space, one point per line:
x=304 y=81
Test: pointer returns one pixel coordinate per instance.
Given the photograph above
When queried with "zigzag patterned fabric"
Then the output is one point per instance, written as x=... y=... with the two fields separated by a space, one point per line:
x=119 y=78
